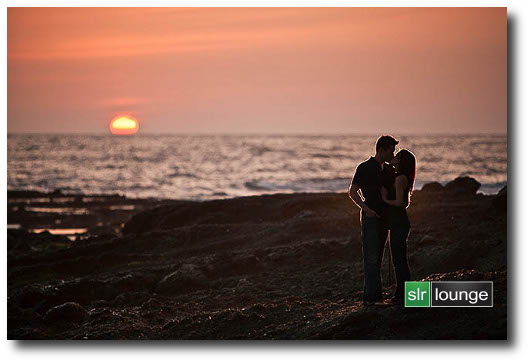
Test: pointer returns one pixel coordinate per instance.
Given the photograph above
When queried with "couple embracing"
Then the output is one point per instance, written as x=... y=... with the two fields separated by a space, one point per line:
x=381 y=187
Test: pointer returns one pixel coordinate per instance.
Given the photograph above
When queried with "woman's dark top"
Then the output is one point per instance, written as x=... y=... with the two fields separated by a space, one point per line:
x=397 y=216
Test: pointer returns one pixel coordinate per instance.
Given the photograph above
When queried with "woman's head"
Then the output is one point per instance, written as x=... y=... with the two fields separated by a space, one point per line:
x=406 y=164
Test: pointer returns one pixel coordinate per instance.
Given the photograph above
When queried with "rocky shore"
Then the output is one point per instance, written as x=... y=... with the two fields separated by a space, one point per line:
x=283 y=266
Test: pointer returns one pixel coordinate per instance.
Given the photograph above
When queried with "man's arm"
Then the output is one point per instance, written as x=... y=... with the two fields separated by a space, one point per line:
x=354 y=195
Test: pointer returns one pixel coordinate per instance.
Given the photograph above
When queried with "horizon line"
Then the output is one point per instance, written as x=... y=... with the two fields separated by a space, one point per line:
x=496 y=133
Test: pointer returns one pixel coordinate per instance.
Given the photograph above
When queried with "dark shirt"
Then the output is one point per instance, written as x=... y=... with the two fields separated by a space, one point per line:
x=370 y=177
x=397 y=216
x=405 y=193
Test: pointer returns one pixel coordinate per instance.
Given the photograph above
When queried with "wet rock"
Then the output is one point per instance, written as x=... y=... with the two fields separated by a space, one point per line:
x=134 y=282
x=243 y=284
x=100 y=303
x=100 y=234
x=254 y=209
x=305 y=214
x=245 y=265
x=462 y=186
x=500 y=201
x=14 y=243
x=131 y=299
x=67 y=312
x=433 y=187
x=29 y=296
x=151 y=304
x=87 y=290
x=150 y=220
x=21 y=240
x=427 y=240
x=186 y=278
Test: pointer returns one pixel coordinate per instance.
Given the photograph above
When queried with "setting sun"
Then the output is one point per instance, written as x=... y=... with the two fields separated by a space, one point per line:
x=124 y=125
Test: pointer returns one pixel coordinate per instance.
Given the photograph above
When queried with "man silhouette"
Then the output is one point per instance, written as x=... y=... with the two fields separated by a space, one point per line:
x=369 y=177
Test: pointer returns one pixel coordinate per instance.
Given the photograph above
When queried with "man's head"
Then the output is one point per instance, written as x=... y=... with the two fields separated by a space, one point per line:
x=385 y=148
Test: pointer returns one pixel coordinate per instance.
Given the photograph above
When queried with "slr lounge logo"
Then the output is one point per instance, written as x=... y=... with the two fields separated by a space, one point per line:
x=448 y=294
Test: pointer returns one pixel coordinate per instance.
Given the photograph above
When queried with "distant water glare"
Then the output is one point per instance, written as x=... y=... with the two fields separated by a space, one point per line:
x=222 y=166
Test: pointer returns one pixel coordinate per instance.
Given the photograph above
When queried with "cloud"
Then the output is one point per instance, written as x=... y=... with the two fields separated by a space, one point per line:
x=88 y=34
x=124 y=101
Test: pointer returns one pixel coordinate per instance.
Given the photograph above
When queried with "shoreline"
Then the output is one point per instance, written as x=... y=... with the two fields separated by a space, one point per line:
x=96 y=214
x=488 y=189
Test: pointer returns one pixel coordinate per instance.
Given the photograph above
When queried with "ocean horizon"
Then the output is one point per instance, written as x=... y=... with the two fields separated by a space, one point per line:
x=211 y=166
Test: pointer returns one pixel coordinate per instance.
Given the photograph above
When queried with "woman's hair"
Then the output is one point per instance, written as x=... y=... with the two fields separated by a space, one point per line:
x=407 y=166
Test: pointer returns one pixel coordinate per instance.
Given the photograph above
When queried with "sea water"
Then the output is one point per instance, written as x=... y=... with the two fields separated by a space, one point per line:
x=202 y=167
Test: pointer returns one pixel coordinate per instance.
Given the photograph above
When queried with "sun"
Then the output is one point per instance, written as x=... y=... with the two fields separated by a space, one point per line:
x=124 y=125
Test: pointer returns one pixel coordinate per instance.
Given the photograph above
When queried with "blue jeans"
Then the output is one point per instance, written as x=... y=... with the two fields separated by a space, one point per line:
x=374 y=233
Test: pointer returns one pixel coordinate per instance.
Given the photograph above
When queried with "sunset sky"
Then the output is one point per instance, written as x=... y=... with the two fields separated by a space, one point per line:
x=257 y=70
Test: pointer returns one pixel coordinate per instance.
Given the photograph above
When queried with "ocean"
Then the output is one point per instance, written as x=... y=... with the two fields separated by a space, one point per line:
x=203 y=167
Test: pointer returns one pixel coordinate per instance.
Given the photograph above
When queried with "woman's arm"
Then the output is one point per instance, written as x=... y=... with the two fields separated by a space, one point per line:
x=401 y=184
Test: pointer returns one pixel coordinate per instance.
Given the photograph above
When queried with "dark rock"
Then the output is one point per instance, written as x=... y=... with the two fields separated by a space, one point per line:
x=134 y=282
x=87 y=290
x=433 y=187
x=152 y=304
x=150 y=220
x=29 y=296
x=268 y=267
x=131 y=299
x=244 y=265
x=500 y=201
x=186 y=278
x=19 y=194
x=67 y=312
x=21 y=240
x=15 y=243
x=255 y=209
x=427 y=240
x=243 y=284
x=462 y=186
x=100 y=303
x=100 y=234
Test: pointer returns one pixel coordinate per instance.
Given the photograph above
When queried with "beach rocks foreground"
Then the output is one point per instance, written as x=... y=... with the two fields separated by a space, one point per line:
x=284 y=266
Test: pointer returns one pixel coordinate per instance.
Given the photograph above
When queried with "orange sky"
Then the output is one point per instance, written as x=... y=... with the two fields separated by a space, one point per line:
x=258 y=70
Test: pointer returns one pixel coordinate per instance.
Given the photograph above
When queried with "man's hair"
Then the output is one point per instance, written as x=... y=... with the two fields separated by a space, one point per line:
x=385 y=142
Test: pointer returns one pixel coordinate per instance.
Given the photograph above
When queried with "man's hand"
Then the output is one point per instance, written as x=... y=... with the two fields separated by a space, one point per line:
x=353 y=192
x=370 y=213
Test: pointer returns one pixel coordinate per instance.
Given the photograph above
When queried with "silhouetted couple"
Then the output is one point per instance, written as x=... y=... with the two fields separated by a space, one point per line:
x=385 y=182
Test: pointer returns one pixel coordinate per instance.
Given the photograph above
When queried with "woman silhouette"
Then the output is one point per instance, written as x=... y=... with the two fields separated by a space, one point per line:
x=398 y=221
